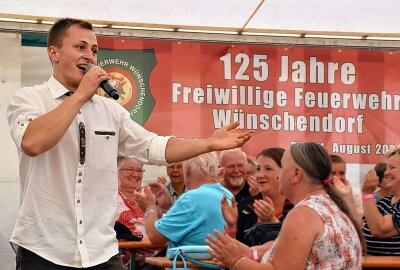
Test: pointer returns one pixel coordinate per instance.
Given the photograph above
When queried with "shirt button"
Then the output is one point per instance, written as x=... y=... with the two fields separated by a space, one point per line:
x=80 y=221
x=80 y=174
x=78 y=201
x=80 y=241
x=80 y=112
x=79 y=181
x=22 y=124
x=107 y=137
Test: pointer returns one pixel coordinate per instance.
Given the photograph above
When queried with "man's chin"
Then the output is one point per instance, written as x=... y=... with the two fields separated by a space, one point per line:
x=237 y=183
x=176 y=181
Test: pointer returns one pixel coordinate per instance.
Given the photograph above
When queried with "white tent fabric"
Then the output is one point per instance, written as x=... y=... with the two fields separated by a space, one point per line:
x=340 y=17
x=357 y=18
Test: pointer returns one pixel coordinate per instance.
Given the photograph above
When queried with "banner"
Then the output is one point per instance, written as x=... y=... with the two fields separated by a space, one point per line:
x=346 y=99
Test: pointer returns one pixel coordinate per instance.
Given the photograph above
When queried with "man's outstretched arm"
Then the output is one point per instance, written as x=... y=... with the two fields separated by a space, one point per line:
x=224 y=138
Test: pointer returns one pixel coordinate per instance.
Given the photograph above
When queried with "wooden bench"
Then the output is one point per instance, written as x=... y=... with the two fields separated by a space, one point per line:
x=381 y=262
x=388 y=262
x=133 y=245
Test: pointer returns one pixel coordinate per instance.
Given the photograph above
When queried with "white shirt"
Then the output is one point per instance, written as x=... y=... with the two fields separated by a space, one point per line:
x=68 y=210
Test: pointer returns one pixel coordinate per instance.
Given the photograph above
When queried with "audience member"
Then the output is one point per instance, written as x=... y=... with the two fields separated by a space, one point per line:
x=354 y=201
x=130 y=176
x=272 y=206
x=318 y=233
x=68 y=139
x=338 y=166
x=234 y=164
x=385 y=186
x=251 y=168
x=251 y=178
x=176 y=186
x=382 y=220
x=196 y=213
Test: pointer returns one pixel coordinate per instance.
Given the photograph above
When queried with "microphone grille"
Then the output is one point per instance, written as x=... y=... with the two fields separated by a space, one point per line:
x=88 y=67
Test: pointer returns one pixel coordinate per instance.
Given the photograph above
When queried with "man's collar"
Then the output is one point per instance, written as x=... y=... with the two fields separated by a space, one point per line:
x=58 y=90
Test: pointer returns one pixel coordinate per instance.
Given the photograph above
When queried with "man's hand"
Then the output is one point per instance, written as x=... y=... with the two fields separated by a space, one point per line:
x=371 y=181
x=229 y=212
x=227 y=137
x=91 y=82
x=224 y=138
x=162 y=195
x=145 y=199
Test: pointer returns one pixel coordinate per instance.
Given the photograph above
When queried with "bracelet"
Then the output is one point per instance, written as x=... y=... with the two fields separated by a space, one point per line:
x=148 y=212
x=230 y=233
x=255 y=253
x=367 y=196
x=237 y=262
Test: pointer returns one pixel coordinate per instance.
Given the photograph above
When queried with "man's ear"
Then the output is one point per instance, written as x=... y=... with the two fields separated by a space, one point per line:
x=53 y=54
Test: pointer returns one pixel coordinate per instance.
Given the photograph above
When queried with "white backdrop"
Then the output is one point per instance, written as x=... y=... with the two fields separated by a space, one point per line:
x=296 y=16
x=357 y=17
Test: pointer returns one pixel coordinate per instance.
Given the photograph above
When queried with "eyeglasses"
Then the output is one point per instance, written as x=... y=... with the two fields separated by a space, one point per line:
x=132 y=171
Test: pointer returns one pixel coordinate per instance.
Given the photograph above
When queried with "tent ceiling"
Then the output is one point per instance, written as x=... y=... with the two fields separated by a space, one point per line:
x=340 y=17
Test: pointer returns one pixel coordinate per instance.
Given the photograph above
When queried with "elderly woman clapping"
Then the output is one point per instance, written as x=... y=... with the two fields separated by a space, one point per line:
x=318 y=233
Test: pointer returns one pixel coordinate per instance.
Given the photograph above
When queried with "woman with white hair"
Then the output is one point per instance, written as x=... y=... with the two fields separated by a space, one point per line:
x=195 y=214
x=318 y=233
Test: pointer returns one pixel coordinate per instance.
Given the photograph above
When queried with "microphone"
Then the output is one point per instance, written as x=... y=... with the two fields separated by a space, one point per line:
x=105 y=85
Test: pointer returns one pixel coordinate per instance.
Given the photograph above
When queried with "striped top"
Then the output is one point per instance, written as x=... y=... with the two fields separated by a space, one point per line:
x=386 y=246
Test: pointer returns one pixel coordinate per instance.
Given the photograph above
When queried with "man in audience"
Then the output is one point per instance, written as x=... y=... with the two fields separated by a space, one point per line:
x=197 y=212
x=234 y=164
x=176 y=185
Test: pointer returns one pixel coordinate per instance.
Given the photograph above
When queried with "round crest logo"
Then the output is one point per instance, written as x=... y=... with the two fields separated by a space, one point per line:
x=132 y=85
x=124 y=87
